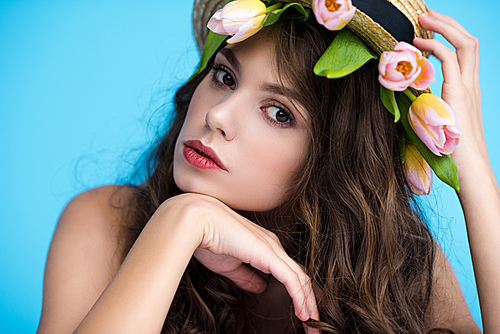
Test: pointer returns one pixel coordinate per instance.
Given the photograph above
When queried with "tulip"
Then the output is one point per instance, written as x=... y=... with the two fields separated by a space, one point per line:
x=405 y=67
x=333 y=14
x=239 y=19
x=434 y=122
x=417 y=171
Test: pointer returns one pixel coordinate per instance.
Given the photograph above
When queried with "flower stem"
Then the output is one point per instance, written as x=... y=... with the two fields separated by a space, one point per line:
x=397 y=113
x=410 y=95
x=273 y=7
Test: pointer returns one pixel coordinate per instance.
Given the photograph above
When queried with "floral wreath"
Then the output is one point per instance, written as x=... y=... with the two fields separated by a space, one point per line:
x=430 y=131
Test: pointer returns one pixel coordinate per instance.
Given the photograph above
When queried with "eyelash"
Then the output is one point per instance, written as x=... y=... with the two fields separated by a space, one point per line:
x=216 y=68
x=288 y=113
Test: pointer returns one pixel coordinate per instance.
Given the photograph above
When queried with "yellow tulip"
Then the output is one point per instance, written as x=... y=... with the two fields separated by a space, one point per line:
x=417 y=171
x=239 y=19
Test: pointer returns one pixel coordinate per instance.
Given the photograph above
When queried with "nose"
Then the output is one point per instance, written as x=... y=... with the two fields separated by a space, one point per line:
x=222 y=118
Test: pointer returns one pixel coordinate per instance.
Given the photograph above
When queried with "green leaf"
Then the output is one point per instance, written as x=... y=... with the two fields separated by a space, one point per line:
x=276 y=14
x=443 y=166
x=402 y=145
x=345 y=55
x=272 y=17
x=389 y=100
x=212 y=44
x=304 y=12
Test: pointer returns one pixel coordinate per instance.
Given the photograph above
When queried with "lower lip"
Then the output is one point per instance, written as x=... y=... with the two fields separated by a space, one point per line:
x=199 y=161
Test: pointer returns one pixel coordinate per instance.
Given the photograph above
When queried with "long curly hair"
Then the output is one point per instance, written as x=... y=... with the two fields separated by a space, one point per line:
x=355 y=226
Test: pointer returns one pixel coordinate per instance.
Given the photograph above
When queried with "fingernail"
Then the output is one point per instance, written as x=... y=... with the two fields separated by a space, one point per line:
x=306 y=314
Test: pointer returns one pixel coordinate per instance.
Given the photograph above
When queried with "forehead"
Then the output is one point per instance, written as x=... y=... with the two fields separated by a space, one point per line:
x=255 y=51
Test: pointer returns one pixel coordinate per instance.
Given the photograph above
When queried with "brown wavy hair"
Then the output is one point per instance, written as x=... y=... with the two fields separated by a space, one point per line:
x=355 y=226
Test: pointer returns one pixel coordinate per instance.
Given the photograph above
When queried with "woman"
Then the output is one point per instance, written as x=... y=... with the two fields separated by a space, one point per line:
x=288 y=189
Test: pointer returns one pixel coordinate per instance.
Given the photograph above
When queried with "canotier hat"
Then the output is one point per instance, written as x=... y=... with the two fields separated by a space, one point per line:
x=369 y=29
x=397 y=16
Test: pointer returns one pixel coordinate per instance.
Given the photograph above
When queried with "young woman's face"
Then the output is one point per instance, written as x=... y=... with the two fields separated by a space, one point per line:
x=243 y=141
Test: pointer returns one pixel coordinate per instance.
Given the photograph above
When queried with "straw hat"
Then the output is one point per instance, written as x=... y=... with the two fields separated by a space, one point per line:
x=363 y=25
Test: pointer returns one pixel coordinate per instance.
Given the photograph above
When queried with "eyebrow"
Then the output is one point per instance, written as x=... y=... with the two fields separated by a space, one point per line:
x=274 y=89
x=287 y=92
x=231 y=58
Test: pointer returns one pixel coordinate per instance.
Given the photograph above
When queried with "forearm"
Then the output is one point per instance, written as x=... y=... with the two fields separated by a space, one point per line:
x=480 y=199
x=140 y=294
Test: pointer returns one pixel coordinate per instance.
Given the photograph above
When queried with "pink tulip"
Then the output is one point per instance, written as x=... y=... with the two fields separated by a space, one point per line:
x=403 y=67
x=434 y=122
x=239 y=19
x=417 y=171
x=333 y=14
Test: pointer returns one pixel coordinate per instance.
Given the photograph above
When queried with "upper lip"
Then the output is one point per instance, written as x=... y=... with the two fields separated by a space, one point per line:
x=205 y=151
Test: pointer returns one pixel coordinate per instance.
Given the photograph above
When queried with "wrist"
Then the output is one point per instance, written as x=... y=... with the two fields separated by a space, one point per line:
x=475 y=176
x=471 y=160
x=181 y=215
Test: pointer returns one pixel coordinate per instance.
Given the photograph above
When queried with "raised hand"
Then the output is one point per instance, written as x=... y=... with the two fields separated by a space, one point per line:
x=234 y=246
x=479 y=193
x=461 y=82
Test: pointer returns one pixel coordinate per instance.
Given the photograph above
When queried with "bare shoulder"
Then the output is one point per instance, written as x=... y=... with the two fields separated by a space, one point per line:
x=448 y=308
x=84 y=255
x=95 y=210
x=93 y=220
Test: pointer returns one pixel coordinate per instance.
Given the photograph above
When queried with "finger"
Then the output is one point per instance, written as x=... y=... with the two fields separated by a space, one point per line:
x=244 y=276
x=454 y=23
x=304 y=279
x=449 y=20
x=307 y=286
x=445 y=25
x=465 y=44
x=247 y=278
x=311 y=305
x=271 y=263
x=448 y=58
x=457 y=25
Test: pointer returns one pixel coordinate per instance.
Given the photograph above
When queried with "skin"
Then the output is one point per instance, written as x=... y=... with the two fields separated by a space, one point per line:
x=87 y=288
x=479 y=194
x=238 y=121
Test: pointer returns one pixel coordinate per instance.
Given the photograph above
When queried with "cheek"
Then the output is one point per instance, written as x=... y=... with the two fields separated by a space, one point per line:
x=271 y=172
x=195 y=116
x=193 y=121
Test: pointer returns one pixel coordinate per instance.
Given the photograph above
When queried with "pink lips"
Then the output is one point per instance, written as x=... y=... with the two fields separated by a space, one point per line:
x=201 y=156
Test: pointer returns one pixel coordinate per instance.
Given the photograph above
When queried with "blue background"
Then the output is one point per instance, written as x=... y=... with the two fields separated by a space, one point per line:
x=79 y=85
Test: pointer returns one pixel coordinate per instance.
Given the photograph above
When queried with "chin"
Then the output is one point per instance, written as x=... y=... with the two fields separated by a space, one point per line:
x=237 y=197
x=243 y=202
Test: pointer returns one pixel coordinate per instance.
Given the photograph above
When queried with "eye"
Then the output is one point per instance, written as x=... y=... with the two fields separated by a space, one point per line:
x=278 y=114
x=222 y=76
